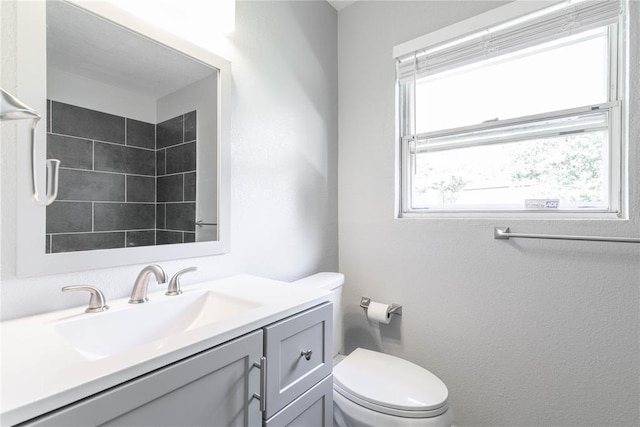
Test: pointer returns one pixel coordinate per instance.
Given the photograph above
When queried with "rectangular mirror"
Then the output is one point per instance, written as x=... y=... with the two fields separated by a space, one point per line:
x=137 y=118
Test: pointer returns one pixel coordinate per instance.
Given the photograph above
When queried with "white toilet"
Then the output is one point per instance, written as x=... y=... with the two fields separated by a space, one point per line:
x=372 y=389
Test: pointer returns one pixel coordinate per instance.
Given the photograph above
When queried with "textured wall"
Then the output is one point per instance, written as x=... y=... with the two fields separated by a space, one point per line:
x=284 y=128
x=524 y=333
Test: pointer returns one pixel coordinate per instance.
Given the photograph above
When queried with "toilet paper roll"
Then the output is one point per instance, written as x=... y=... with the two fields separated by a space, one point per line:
x=379 y=312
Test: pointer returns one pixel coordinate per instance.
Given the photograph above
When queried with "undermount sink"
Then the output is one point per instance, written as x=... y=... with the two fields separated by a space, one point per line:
x=114 y=331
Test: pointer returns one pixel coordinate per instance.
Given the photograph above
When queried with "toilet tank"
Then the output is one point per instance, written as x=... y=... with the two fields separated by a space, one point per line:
x=332 y=282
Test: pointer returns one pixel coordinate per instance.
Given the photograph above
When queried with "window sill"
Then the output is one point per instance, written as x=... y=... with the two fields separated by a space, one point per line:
x=536 y=215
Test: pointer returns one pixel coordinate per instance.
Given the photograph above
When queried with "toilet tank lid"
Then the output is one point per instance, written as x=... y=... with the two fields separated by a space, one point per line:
x=390 y=382
x=325 y=280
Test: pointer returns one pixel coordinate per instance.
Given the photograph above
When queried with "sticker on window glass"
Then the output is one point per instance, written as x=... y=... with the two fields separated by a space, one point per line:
x=541 y=203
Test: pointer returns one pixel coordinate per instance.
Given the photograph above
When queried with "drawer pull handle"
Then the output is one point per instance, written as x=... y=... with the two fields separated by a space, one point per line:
x=306 y=354
x=262 y=397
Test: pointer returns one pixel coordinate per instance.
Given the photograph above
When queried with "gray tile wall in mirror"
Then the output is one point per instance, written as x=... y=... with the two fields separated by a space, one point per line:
x=123 y=182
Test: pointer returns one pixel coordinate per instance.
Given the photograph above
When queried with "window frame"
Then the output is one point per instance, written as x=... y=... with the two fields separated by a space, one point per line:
x=616 y=179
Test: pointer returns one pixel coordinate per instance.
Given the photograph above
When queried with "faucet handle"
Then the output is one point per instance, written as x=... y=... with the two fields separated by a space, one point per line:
x=174 y=283
x=97 y=302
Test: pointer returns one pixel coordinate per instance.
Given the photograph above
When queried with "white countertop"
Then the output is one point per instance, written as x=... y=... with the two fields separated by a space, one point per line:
x=42 y=371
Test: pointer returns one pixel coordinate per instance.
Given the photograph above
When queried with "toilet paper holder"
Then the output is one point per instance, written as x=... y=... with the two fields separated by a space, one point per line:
x=395 y=308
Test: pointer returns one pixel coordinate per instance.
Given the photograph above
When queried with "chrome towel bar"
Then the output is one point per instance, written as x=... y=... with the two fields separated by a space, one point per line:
x=504 y=233
x=201 y=223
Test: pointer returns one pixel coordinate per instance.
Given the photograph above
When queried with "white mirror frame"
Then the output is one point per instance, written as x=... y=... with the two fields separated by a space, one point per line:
x=32 y=89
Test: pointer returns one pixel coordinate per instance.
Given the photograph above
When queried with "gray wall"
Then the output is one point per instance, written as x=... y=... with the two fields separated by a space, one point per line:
x=524 y=333
x=284 y=130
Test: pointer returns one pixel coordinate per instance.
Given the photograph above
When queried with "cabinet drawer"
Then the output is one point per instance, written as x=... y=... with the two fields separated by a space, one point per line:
x=289 y=372
x=312 y=409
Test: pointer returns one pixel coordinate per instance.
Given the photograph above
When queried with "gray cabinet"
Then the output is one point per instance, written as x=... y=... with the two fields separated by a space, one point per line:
x=221 y=387
x=213 y=388
x=299 y=355
x=313 y=408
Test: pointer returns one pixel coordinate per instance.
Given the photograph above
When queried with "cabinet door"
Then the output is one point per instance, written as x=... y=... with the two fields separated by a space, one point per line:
x=213 y=388
x=312 y=409
x=290 y=372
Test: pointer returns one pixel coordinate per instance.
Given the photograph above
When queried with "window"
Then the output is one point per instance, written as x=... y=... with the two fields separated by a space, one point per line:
x=520 y=116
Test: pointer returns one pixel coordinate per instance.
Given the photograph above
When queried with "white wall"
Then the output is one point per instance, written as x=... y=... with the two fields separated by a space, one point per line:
x=524 y=333
x=200 y=95
x=283 y=159
x=78 y=90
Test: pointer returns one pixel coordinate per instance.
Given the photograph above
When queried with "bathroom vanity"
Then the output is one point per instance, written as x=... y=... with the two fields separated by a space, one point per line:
x=266 y=360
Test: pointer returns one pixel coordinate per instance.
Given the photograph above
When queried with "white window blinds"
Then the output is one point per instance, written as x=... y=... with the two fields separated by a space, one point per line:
x=560 y=20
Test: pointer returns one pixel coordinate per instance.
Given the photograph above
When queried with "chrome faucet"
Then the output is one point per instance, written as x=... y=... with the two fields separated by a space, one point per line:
x=139 y=292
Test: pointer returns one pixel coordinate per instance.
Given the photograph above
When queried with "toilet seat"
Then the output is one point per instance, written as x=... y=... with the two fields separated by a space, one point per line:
x=390 y=385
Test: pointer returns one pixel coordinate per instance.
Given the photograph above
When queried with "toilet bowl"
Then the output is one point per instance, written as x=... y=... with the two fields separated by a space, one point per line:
x=376 y=389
